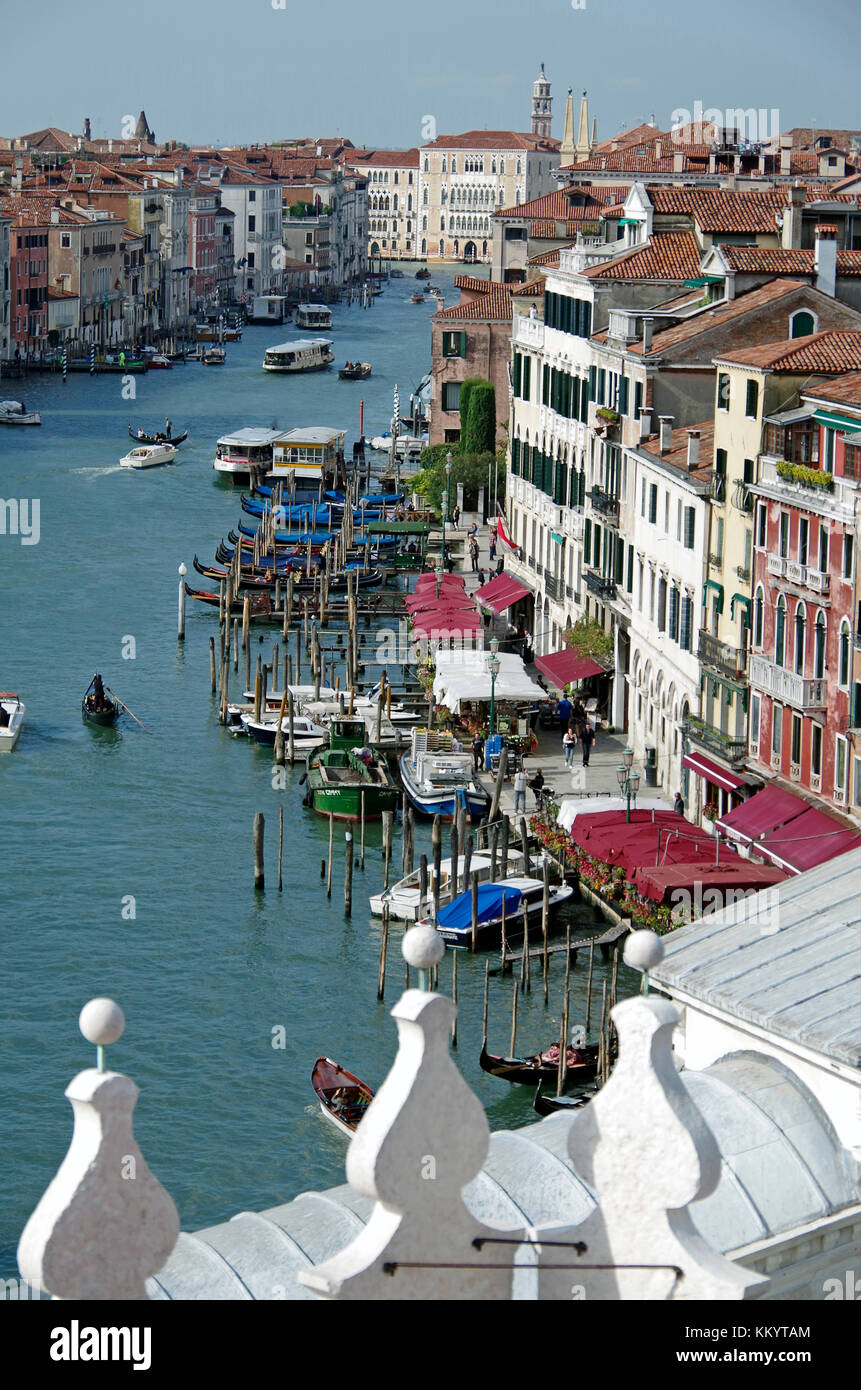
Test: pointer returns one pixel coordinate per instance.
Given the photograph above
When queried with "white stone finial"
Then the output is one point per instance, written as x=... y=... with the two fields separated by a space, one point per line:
x=423 y=947
x=422 y=1140
x=645 y=1150
x=643 y=950
x=105 y=1224
x=102 y=1021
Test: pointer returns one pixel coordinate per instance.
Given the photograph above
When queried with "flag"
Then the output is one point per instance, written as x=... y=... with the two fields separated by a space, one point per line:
x=500 y=531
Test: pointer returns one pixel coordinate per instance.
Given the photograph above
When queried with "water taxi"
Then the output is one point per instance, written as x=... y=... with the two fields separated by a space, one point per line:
x=312 y=316
x=14 y=413
x=11 y=718
x=438 y=780
x=301 y=355
x=245 y=452
x=148 y=456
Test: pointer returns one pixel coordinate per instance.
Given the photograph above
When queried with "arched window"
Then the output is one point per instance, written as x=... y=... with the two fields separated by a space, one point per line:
x=780 y=632
x=442 y=247
x=845 y=653
x=800 y=632
x=427 y=165
x=424 y=246
x=424 y=197
x=395 y=203
x=443 y=163
x=519 y=166
x=409 y=202
x=454 y=164
x=502 y=164
x=801 y=323
x=758 y=610
x=821 y=634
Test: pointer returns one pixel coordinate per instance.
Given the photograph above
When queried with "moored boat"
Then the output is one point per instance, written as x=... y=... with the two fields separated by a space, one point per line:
x=97 y=706
x=148 y=456
x=343 y=1097
x=417 y=298
x=438 y=781
x=348 y=774
x=306 y=734
x=404 y=899
x=581 y=1065
x=14 y=413
x=355 y=371
x=545 y=1104
x=214 y=357
x=12 y=711
x=510 y=897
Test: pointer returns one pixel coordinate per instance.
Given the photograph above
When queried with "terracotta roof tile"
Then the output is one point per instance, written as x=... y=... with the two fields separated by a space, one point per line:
x=832 y=350
x=666 y=256
x=495 y=303
x=531 y=289
x=779 y=260
x=492 y=140
x=677 y=454
x=717 y=315
x=843 y=390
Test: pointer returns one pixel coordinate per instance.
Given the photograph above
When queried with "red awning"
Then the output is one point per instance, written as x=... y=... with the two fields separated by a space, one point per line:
x=720 y=776
x=566 y=667
x=807 y=840
x=738 y=874
x=762 y=813
x=501 y=592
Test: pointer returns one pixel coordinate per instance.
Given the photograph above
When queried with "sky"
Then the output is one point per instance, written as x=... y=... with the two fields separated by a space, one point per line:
x=384 y=73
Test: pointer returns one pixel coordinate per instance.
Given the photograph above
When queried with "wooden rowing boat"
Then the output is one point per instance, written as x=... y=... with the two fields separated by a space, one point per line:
x=343 y=1097
x=548 y=1105
x=582 y=1064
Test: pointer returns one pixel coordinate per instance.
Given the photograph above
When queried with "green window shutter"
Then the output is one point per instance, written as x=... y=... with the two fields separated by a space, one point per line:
x=629 y=583
x=518 y=373
x=545 y=384
x=515 y=457
x=463 y=344
x=593 y=381
x=602 y=386
x=690 y=527
x=673 y=620
x=653 y=503
x=527 y=378
x=623 y=395
x=638 y=398
x=620 y=560
x=587 y=541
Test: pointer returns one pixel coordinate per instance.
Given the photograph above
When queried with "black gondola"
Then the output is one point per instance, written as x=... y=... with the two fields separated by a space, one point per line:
x=548 y=1105
x=140 y=438
x=582 y=1064
x=97 y=706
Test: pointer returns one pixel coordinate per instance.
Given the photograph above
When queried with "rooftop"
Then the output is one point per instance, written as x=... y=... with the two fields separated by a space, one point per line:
x=666 y=256
x=832 y=350
x=493 y=140
x=677 y=455
x=716 y=315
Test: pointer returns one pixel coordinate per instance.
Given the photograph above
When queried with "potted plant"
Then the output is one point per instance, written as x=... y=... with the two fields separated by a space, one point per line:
x=710 y=815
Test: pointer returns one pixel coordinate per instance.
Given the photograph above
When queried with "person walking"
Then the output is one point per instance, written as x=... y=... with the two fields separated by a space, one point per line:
x=473 y=554
x=481 y=576
x=493 y=545
x=569 y=742
x=478 y=753
x=455 y=516
x=537 y=785
x=564 y=711
x=587 y=738
x=519 y=791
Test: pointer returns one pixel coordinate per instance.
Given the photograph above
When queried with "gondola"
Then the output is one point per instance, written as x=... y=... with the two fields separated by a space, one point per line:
x=343 y=1097
x=359 y=371
x=157 y=438
x=548 y=1105
x=417 y=298
x=544 y=1066
x=423 y=274
x=97 y=706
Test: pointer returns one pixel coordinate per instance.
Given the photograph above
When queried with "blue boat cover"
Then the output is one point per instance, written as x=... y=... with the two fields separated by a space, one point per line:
x=458 y=914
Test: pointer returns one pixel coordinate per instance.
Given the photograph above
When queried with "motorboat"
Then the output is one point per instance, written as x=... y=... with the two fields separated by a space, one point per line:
x=214 y=357
x=148 y=456
x=306 y=734
x=509 y=898
x=12 y=712
x=355 y=371
x=439 y=781
x=14 y=413
x=404 y=900
x=159 y=362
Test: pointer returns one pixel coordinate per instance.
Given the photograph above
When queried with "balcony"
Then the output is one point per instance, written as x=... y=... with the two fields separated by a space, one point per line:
x=835 y=497
x=553 y=587
x=795 y=573
x=741 y=498
x=743 y=572
x=727 y=746
x=529 y=332
x=802 y=692
x=606 y=504
x=600 y=584
x=729 y=660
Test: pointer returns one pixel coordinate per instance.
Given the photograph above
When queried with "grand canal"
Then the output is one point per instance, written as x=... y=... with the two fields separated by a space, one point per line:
x=126 y=856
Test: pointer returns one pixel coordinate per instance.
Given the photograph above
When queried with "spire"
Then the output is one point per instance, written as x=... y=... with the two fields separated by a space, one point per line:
x=567 y=153
x=583 y=148
x=594 y=132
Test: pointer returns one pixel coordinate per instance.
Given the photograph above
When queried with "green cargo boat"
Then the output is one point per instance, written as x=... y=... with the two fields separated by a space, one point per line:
x=339 y=778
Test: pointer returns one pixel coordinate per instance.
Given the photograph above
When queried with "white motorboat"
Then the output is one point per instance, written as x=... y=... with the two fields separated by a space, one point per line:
x=437 y=780
x=14 y=413
x=512 y=896
x=306 y=734
x=148 y=456
x=11 y=718
x=404 y=899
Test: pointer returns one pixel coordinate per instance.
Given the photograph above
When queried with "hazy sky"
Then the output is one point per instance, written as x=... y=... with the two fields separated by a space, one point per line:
x=227 y=71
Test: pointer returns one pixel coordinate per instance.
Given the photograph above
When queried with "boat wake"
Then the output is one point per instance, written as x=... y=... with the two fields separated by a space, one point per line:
x=100 y=472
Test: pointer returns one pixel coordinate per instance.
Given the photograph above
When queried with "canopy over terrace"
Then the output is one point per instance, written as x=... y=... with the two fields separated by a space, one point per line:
x=501 y=592
x=710 y=882
x=787 y=830
x=463 y=675
x=651 y=839
x=567 y=667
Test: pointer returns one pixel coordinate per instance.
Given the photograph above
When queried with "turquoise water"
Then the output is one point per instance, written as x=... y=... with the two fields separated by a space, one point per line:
x=205 y=969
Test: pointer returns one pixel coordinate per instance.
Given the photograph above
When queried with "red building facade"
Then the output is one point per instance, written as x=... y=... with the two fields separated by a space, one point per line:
x=28 y=257
x=801 y=655
x=203 y=251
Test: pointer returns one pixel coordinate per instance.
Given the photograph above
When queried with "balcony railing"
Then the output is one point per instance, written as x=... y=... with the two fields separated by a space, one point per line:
x=732 y=661
x=796 y=573
x=600 y=584
x=741 y=498
x=727 y=746
x=802 y=692
x=743 y=571
x=605 y=503
x=552 y=586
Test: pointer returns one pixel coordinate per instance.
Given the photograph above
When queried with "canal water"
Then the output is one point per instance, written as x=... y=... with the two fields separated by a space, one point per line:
x=126 y=855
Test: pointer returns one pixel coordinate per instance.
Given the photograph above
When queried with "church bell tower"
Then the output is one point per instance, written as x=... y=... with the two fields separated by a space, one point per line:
x=542 y=104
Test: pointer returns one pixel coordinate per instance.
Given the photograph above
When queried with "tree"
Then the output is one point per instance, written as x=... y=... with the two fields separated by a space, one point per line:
x=466 y=389
x=478 y=422
x=474 y=471
x=588 y=638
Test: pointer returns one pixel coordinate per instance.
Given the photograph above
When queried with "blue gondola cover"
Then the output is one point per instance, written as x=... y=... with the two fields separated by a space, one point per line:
x=457 y=915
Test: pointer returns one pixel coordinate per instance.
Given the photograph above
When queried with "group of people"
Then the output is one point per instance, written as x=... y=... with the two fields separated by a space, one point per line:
x=521 y=782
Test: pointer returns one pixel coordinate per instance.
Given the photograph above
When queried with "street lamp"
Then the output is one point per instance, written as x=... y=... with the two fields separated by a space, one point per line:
x=493 y=664
x=444 y=519
x=629 y=782
x=438 y=567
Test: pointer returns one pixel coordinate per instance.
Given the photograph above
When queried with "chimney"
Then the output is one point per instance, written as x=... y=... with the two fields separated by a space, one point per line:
x=55 y=217
x=659 y=145
x=679 y=162
x=110 y=147
x=693 y=449
x=785 y=154
x=666 y=423
x=645 y=422
x=791 y=239
x=825 y=258
x=647 y=335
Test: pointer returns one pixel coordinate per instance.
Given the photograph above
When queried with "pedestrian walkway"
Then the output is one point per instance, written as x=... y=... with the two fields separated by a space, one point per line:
x=598 y=779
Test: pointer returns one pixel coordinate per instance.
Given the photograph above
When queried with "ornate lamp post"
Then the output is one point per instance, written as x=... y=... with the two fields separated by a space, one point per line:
x=629 y=782
x=493 y=664
x=445 y=500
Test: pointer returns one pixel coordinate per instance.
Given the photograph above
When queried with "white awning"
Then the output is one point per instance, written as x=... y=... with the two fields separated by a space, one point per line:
x=464 y=675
